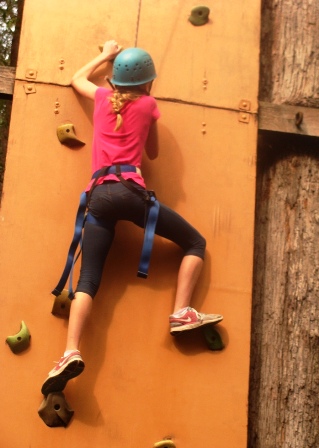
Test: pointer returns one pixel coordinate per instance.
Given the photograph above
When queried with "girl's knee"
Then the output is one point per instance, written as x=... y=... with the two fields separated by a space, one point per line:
x=198 y=248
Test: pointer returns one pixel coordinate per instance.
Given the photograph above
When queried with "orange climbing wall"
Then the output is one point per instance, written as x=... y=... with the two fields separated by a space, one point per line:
x=140 y=384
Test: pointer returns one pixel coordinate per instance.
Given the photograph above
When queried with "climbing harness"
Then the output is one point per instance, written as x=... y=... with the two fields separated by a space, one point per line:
x=152 y=210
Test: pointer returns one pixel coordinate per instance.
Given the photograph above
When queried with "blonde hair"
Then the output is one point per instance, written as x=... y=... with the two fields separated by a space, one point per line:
x=119 y=98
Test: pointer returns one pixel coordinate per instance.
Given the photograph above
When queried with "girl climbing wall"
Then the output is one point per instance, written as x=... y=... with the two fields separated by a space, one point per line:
x=124 y=124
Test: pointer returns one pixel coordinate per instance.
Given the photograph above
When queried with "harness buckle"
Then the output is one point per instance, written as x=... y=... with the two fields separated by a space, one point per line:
x=151 y=196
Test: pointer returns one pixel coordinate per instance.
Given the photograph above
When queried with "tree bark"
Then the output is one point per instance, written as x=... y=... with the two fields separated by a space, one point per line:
x=6 y=96
x=284 y=384
x=284 y=381
x=7 y=76
x=290 y=52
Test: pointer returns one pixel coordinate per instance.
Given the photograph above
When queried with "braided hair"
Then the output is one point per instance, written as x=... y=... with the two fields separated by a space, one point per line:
x=119 y=98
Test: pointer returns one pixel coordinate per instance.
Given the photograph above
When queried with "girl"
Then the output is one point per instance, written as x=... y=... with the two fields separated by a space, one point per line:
x=124 y=125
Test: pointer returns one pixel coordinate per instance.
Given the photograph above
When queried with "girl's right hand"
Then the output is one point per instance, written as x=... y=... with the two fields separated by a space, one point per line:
x=111 y=49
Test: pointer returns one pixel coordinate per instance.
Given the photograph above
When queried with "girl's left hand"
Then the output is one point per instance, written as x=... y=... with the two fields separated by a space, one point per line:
x=111 y=48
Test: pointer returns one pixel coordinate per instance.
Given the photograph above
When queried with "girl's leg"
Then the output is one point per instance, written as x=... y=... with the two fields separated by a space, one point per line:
x=173 y=227
x=97 y=241
x=188 y=274
x=185 y=317
x=80 y=310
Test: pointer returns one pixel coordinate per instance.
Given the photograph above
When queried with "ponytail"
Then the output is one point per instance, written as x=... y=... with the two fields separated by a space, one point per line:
x=119 y=98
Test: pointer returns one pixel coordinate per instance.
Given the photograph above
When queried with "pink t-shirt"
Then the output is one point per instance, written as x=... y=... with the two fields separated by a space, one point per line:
x=126 y=145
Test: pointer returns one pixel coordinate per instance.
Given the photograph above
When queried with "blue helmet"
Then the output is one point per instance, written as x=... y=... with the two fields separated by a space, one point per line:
x=133 y=67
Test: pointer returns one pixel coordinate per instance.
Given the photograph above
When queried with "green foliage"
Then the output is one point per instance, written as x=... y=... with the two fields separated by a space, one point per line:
x=8 y=17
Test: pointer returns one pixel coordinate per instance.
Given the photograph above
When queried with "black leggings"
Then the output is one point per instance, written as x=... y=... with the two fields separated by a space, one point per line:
x=111 y=202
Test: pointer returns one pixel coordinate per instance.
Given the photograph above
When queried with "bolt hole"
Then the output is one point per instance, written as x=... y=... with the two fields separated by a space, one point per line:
x=298 y=118
x=57 y=407
x=68 y=130
x=19 y=338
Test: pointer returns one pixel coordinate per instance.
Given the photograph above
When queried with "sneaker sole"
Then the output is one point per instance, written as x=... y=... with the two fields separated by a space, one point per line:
x=57 y=383
x=180 y=329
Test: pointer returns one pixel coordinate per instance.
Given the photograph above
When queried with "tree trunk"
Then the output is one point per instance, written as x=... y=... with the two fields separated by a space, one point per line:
x=284 y=383
x=290 y=52
x=7 y=103
x=284 y=388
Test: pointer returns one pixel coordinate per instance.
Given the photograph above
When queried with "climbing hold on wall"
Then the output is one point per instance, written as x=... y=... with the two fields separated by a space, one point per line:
x=165 y=443
x=213 y=338
x=101 y=46
x=66 y=135
x=62 y=304
x=20 y=341
x=199 y=15
x=55 y=411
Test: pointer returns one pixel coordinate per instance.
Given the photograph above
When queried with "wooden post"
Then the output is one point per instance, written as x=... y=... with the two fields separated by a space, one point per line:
x=284 y=385
x=7 y=75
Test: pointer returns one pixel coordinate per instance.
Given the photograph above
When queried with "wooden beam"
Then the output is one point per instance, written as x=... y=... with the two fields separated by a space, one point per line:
x=7 y=77
x=289 y=119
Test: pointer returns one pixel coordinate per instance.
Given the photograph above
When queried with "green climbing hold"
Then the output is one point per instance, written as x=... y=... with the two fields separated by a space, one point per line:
x=20 y=341
x=199 y=15
x=213 y=338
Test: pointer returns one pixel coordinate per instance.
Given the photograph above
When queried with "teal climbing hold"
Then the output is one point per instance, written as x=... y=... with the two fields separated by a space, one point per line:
x=199 y=15
x=20 y=341
x=213 y=338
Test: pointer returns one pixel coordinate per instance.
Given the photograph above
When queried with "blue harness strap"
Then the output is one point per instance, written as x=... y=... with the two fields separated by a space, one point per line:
x=77 y=237
x=153 y=210
x=81 y=217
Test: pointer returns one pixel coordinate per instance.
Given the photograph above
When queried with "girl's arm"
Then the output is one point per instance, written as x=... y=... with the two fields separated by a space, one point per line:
x=151 y=145
x=80 y=80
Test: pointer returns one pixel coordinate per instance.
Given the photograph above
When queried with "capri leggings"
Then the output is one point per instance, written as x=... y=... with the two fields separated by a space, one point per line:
x=111 y=202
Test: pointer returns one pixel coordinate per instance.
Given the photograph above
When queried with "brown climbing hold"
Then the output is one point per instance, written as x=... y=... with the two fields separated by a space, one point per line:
x=66 y=135
x=55 y=411
x=199 y=15
x=62 y=304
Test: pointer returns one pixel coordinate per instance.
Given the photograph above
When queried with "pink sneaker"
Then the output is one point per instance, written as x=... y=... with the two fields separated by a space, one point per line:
x=189 y=318
x=68 y=367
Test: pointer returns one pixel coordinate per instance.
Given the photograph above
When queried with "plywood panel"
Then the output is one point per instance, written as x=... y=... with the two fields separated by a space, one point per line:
x=140 y=384
x=214 y=64
x=128 y=361
x=59 y=37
